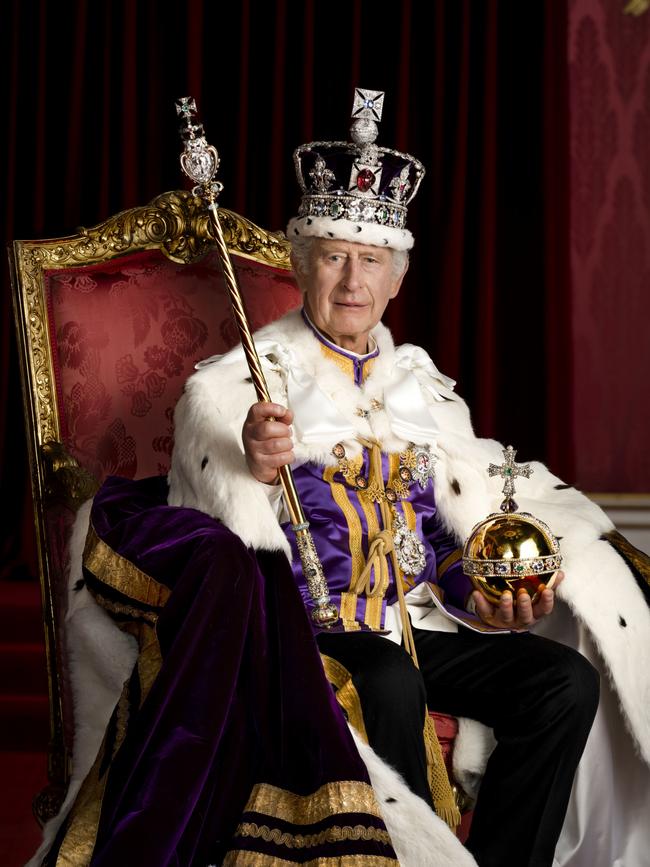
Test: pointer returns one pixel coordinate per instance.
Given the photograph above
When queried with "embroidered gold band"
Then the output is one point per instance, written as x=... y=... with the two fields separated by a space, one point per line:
x=348 y=606
x=128 y=610
x=340 y=497
x=257 y=859
x=335 y=834
x=119 y=573
x=330 y=800
x=77 y=847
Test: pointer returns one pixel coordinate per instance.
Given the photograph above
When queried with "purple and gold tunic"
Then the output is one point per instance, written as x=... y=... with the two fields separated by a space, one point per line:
x=342 y=504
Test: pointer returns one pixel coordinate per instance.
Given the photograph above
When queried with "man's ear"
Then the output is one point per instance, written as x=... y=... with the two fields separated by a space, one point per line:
x=295 y=264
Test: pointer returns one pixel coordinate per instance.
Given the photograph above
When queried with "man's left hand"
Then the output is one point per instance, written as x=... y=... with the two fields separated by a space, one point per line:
x=517 y=617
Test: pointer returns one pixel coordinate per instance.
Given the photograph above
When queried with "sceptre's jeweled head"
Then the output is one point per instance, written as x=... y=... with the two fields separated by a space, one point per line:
x=356 y=191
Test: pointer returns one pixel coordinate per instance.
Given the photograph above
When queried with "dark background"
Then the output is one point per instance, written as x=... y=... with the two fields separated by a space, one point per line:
x=476 y=89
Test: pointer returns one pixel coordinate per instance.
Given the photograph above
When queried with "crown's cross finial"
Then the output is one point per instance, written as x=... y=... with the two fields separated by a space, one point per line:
x=509 y=471
x=366 y=112
x=368 y=103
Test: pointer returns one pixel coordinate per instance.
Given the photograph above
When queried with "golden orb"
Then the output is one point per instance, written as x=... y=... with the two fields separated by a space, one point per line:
x=511 y=552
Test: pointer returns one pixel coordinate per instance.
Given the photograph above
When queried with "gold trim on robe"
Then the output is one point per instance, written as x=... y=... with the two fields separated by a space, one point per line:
x=346 y=693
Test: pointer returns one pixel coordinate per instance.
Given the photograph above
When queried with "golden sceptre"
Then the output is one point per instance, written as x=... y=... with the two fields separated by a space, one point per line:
x=200 y=162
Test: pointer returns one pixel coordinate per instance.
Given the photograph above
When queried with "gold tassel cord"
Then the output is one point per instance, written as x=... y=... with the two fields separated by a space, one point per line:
x=441 y=790
x=377 y=566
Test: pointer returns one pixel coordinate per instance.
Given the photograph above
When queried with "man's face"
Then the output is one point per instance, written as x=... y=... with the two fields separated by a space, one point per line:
x=347 y=289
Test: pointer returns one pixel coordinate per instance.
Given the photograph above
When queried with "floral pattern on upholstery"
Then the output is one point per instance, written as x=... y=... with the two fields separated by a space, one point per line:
x=126 y=335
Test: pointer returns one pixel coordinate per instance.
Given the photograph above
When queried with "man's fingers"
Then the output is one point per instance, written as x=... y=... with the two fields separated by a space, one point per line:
x=267 y=440
x=483 y=608
x=275 y=461
x=508 y=615
x=264 y=431
x=544 y=604
x=274 y=446
x=559 y=578
x=263 y=410
x=525 y=614
x=506 y=609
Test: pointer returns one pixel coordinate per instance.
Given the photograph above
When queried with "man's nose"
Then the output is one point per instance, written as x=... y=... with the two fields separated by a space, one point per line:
x=352 y=277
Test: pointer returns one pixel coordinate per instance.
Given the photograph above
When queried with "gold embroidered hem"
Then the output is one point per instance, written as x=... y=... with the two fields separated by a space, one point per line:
x=118 y=608
x=77 y=847
x=120 y=574
x=83 y=821
x=116 y=573
x=257 y=859
x=331 y=799
x=334 y=834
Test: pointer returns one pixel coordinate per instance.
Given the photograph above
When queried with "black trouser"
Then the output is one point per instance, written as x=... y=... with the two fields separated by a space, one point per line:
x=540 y=697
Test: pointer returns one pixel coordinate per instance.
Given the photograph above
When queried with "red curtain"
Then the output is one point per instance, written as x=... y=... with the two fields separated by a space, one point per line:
x=477 y=90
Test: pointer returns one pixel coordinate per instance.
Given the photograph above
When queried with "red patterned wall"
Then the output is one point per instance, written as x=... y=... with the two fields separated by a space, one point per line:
x=609 y=55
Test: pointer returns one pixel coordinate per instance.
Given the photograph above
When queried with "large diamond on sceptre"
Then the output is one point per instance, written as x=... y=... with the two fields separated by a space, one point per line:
x=511 y=550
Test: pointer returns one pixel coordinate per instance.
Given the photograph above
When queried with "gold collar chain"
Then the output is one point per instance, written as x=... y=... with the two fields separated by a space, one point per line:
x=415 y=465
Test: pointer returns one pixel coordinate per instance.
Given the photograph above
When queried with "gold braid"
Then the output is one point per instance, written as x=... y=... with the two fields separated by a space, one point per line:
x=441 y=790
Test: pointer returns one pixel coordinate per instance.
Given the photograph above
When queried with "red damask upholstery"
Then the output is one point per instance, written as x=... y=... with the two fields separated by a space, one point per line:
x=126 y=335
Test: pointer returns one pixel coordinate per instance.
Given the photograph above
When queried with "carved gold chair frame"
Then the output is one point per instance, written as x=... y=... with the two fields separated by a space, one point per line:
x=174 y=223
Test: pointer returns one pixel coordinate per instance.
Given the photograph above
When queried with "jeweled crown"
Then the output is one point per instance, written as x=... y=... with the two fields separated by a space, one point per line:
x=357 y=190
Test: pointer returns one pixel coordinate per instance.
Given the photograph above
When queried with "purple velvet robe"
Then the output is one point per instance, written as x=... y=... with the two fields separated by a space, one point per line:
x=227 y=737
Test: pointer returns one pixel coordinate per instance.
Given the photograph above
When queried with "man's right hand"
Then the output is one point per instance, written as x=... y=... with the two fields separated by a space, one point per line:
x=267 y=440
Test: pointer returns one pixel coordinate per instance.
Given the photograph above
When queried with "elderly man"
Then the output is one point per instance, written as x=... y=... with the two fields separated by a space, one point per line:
x=387 y=465
x=392 y=479
x=368 y=424
x=539 y=696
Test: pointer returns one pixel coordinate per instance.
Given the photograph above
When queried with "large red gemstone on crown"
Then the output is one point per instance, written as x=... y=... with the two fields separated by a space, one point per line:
x=365 y=180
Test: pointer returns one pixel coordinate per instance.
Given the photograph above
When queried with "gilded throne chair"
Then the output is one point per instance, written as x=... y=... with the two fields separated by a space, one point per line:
x=110 y=324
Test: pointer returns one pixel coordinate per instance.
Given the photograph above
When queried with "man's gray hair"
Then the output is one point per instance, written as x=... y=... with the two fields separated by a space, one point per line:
x=301 y=249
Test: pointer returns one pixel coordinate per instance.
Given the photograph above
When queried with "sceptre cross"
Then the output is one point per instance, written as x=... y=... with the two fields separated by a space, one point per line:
x=510 y=471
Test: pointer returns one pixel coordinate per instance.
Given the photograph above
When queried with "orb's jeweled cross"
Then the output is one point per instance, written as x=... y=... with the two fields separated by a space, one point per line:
x=509 y=471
